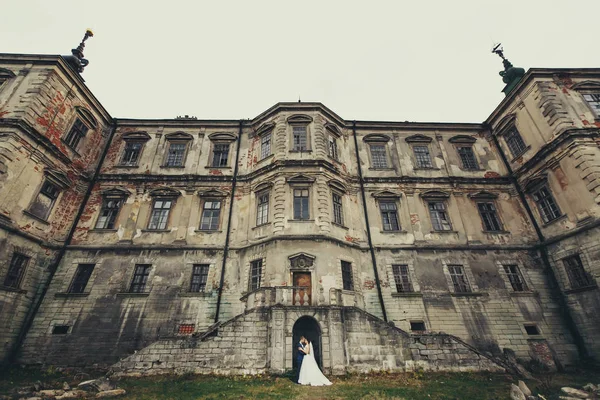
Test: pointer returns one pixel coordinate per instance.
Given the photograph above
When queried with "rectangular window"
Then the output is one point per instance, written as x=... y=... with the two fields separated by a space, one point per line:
x=265 y=146
x=131 y=154
x=301 y=204
x=299 y=138
x=186 y=329
x=422 y=156
x=108 y=213
x=211 y=214
x=199 y=278
x=439 y=216
x=16 y=270
x=417 y=326
x=220 y=154
x=546 y=205
x=333 y=150
x=60 y=329
x=402 y=278
x=160 y=214
x=489 y=216
x=176 y=154
x=262 y=208
x=593 y=99
x=140 y=278
x=378 y=155
x=576 y=273
x=515 y=142
x=82 y=276
x=389 y=215
x=347 y=281
x=77 y=132
x=531 y=329
x=338 y=215
x=514 y=276
x=44 y=201
x=459 y=280
x=467 y=157
x=255 y=274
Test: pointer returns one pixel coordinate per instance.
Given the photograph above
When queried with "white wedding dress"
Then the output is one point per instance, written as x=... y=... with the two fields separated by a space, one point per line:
x=310 y=374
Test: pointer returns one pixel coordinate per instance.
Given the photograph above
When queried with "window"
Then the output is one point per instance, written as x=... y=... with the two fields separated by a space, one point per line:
x=300 y=138
x=389 y=215
x=459 y=280
x=262 y=208
x=332 y=149
x=131 y=154
x=255 y=274
x=140 y=277
x=199 y=278
x=531 y=329
x=347 y=281
x=108 y=213
x=160 y=214
x=546 y=204
x=402 y=278
x=593 y=99
x=76 y=133
x=514 y=276
x=176 y=154
x=515 y=142
x=265 y=145
x=60 y=329
x=417 y=326
x=44 y=201
x=576 y=273
x=301 y=204
x=467 y=157
x=16 y=270
x=338 y=215
x=422 y=156
x=211 y=214
x=489 y=216
x=82 y=276
x=186 y=329
x=439 y=216
x=220 y=154
x=378 y=156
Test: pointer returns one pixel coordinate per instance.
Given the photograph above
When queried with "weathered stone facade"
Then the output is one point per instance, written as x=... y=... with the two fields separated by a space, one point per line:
x=211 y=245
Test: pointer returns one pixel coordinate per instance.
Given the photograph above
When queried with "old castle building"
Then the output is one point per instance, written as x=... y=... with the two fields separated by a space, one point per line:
x=211 y=245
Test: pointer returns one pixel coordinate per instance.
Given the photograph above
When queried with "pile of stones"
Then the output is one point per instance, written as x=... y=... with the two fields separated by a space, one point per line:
x=522 y=392
x=96 y=388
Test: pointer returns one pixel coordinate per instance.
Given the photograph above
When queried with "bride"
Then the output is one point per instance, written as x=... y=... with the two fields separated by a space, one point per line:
x=310 y=374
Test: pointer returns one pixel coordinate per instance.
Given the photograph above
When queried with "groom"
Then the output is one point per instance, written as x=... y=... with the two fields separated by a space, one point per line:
x=300 y=356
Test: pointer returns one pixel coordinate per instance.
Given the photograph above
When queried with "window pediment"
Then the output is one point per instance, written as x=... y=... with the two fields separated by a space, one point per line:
x=386 y=195
x=87 y=117
x=337 y=185
x=212 y=193
x=178 y=136
x=506 y=123
x=376 y=138
x=534 y=183
x=165 y=192
x=333 y=129
x=462 y=139
x=116 y=192
x=300 y=179
x=299 y=119
x=418 y=139
x=222 y=137
x=265 y=128
x=435 y=195
x=584 y=86
x=6 y=73
x=301 y=261
x=262 y=186
x=483 y=195
x=137 y=136
x=58 y=178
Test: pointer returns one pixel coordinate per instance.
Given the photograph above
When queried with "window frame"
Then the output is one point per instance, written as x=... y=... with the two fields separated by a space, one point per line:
x=594 y=108
x=387 y=211
x=17 y=279
x=53 y=200
x=200 y=271
x=172 y=201
x=423 y=160
x=347 y=276
x=79 y=276
x=548 y=201
x=451 y=267
x=266 y=145
x=255 y=274
x=398 y=278
x=263 y=207
x=515 y=278
x=143 y=275
x=303 y=207
x=586 y=280
x=490 y=214
x=170 y=143
x=378 y=161
x=337 y=207
x=213 y=156
x=514 y=142
x=115 y=216
x=475 y=163
x=135 y=163
x=437 y=222
x=211 y=218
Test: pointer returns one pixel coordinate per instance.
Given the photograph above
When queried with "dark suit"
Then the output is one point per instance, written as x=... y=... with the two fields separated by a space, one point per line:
x=299 y=358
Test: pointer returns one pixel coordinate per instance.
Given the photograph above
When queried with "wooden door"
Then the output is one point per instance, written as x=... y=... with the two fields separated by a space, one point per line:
x=302 y=296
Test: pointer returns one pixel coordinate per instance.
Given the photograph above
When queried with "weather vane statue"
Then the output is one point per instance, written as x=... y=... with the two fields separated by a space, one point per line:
x=76 y=60
x=511 y=75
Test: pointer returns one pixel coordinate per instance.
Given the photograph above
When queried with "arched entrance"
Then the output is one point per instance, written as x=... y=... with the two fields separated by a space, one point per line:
x=310 y=329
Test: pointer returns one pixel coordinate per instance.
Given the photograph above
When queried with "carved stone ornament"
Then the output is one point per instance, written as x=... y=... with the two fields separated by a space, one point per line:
x=301 y=261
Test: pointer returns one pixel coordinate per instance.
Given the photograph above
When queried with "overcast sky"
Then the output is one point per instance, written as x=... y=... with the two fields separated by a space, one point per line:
x=365 y=60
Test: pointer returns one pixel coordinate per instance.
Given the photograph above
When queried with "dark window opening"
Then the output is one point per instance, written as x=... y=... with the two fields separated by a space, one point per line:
x=140 y=278
x=160 y=214
x=199 y=277
x=44 y=201
x=378 y=156
x=402 y=278
x=255 y=274
x=131 y=154
x=82 y=276
x=347 y=280
x=176 y=155
x=338 y=215
x=515 y=278
x=221 y=154
x=60 y=329
x=301 y=210
x=262 y=208
x=333 y=150
x=422 y=156
x=76 y=133
x=108 y=213
x=300 y=138
x=489 y=217
x=211 y=215
x=417 y=326
x=546 y=204
x=593 y=99
x=515 y=142
x=469 y=162
x=265 y=146
x=532 y=330
x=439 y=217
x=389 y=215
x=576 y=273
x=459 y=280
x=16 y=270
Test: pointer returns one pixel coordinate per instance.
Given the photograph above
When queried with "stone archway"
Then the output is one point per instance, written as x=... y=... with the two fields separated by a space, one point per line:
x=309 y=328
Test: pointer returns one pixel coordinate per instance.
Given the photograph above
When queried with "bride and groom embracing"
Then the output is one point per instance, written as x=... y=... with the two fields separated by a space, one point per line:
x=308 y=370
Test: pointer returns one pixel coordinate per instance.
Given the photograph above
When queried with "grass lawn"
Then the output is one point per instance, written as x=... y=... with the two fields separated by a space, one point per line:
x=408 y=386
